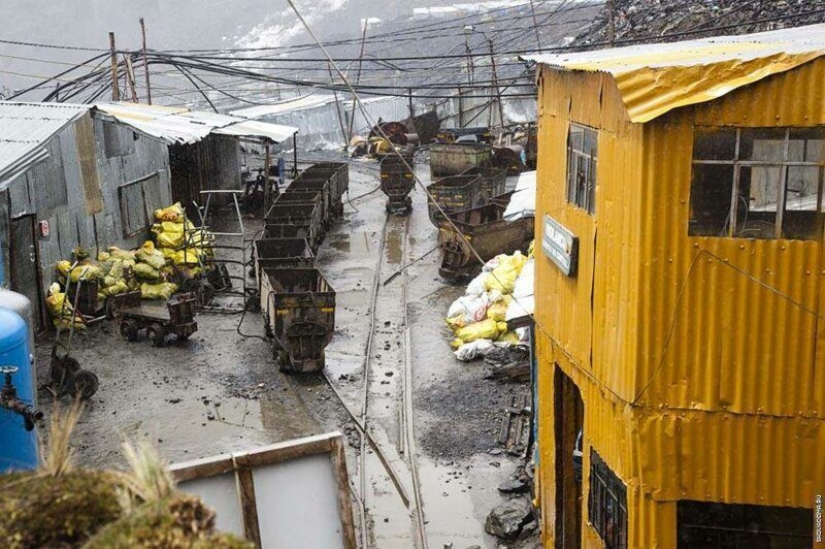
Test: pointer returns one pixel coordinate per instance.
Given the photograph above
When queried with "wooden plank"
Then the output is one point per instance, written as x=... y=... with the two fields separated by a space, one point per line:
x=249 y=507
x=339 y=470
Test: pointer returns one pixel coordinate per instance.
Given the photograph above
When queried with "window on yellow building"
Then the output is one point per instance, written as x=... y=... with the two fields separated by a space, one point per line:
x=607 y=504
x=582 y=153
x=705 y=525
x=758 y=183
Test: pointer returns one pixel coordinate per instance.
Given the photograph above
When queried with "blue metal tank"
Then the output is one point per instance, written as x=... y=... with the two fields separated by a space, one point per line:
x=18 y=447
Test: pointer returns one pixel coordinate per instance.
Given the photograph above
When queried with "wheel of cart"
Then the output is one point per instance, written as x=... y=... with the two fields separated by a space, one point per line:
x=66 y=377
x=175 y=316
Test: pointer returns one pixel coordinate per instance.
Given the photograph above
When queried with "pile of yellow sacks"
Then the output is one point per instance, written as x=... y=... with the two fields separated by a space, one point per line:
x=150 y=268
x=481 y=313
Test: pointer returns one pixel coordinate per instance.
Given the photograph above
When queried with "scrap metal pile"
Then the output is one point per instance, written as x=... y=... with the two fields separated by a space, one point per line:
x=654 y=20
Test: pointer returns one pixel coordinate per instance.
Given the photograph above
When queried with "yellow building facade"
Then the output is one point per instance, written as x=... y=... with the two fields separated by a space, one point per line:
x=680 y=304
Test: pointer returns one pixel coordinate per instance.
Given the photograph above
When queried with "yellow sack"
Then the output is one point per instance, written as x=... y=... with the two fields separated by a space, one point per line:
x=532 y=249
x=168 y=234
x=486 y=329
x=172 y=213
x=186 y=257
x=118 y=287
x=108 y=281
x=168 y=253
x=150 y=255
x=508 y=337
x=116 y=270
x=164 y=290
x=61 y=311
x=86 y=272
x=498 y=310
x=104 y=256
x=63 y=267
x=503 y=277
x=117 y=253
x=146 y=272
x=456 y=323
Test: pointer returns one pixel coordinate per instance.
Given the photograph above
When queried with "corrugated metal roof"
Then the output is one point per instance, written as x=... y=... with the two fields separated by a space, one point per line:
x=25 y=128
x=178 y=125
x=654 y=79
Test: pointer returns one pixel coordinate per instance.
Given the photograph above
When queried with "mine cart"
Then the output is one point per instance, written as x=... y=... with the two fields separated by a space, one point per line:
x=295 y=221
x=397 y=180
x=455 y=158
x=488 y=232
x=281 y=253
x=494 y=180
x=454 y=194
x=174 y=316
x=301 y=187
x=307 y=198
x=299 y=311
x=337 y=173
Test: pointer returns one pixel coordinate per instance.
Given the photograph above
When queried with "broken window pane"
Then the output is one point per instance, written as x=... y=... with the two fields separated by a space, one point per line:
x=714 y=144
x=761 y=144
x=803 y=218
x=758 y=201
x=710 y=197
x=807 y=145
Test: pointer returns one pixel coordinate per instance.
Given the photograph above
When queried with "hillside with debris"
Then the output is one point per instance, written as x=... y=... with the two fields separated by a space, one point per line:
x=666 y=20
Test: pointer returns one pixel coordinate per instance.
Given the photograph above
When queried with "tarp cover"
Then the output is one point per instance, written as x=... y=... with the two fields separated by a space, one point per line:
x=523 y=201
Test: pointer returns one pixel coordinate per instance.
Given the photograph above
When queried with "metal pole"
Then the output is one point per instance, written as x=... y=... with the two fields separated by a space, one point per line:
x=470 y=69
x=535 y=25
x=495 y=82
x=338 y=108
x=146 y=63
x=358 y=78
x=267 y=191
x=294 y=155
x=113 y=55
x=611 y=27
x=410 y=103
x=460 y=109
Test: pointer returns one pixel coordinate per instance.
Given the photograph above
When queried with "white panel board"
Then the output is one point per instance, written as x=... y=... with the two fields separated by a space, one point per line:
x=221 y=494
x=298 y=504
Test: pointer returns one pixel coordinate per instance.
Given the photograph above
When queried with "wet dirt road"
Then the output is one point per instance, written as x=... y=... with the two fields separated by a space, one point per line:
x=431 y=415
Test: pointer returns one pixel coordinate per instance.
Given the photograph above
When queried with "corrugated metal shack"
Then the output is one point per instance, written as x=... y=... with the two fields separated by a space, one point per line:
x=93 y=175
x=679 y=289
x=69 y=179
x=204 y=148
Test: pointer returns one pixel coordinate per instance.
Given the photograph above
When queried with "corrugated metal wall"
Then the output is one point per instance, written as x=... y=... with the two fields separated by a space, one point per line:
x=212 y=163
x=732 y=358
x=54 y=191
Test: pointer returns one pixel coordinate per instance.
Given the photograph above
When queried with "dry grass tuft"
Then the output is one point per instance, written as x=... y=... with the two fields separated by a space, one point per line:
x=148 y=479
x=59 y=456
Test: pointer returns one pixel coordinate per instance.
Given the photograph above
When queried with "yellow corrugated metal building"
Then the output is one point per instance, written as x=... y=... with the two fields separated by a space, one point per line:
x=680 y=311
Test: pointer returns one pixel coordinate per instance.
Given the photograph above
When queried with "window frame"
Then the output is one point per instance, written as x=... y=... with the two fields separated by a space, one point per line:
x=606 y=485
x=147 y=208
x=587 y=200
x=784 y=165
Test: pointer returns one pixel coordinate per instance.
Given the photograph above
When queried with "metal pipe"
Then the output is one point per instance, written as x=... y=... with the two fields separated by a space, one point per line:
x=9 y=401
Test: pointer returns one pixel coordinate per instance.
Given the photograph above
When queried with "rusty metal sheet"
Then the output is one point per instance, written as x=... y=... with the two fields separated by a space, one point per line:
x=656 y=78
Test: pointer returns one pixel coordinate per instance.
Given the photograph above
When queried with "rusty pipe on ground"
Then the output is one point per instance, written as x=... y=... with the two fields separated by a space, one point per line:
x=9 y=401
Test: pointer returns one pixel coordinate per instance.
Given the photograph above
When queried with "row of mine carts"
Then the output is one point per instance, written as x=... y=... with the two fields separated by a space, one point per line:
x=466 y=203
x=297 y=302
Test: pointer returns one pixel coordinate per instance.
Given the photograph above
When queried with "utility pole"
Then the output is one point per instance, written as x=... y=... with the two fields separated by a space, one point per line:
x=536 y=25
x=358 y=77
x=470 y=70
x=495 y=82
x=113 y=55
x=410 y=103
x=338 y=108
x=611 y=25
x=146 y=63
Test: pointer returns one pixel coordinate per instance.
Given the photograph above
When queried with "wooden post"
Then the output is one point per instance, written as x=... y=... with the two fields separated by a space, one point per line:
x=146 y=63
x=130 y=77
x=338 y=108
x=535 y=25
x=410 y=102
x=113 y=55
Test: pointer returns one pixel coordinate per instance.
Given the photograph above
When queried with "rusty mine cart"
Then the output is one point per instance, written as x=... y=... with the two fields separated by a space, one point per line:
x=175 y=316
x=397 y=180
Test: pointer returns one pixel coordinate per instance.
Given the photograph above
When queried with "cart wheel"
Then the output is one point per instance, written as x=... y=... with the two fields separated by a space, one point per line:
x=182 y=337
x=156 y=334
x=128 y=330
x=82 y=384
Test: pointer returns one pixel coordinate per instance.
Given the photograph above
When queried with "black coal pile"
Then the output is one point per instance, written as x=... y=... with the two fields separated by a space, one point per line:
x=668 y=20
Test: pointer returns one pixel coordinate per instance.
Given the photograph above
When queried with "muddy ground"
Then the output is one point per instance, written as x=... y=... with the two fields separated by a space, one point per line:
x=220 y=391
